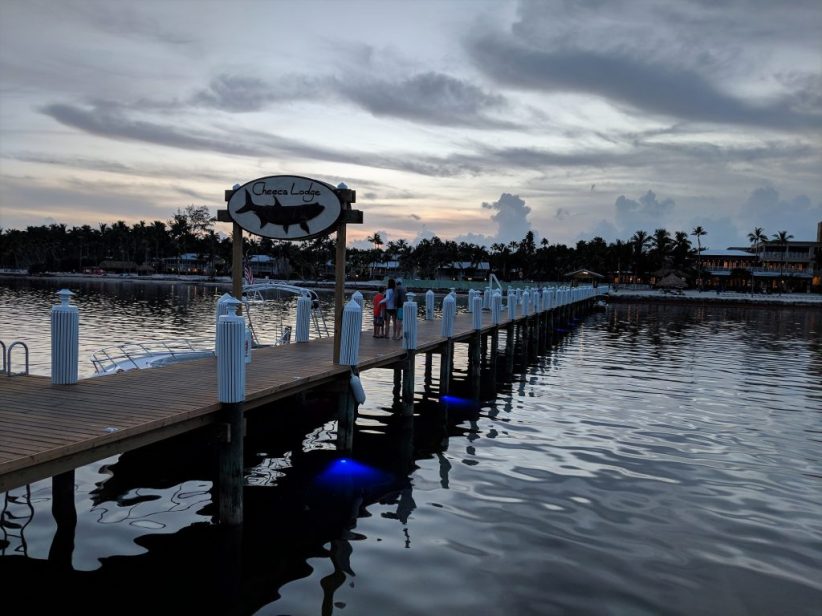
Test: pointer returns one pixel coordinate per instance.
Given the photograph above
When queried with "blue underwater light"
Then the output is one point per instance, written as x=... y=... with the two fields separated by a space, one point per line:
x=454 y=401
x=345 y=471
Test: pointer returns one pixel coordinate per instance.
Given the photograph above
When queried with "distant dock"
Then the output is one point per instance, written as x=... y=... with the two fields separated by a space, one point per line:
x=691 y=296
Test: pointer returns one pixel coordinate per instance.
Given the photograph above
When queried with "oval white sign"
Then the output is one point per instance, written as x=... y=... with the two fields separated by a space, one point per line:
x=286 y=207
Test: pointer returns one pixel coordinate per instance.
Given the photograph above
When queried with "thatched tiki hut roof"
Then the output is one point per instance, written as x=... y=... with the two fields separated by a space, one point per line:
x=671 y=281
x=584 y=274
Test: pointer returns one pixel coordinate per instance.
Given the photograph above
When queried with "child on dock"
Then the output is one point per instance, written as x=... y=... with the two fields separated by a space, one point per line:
x=379 y=314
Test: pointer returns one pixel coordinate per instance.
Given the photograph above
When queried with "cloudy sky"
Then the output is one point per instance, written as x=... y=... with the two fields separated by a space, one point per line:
x=470 y=119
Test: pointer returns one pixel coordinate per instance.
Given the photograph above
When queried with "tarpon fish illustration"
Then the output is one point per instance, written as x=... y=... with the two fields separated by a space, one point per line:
x=283 y=215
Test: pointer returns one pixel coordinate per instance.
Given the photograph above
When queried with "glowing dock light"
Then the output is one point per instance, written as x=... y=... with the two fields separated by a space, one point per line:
x=348 y=471
x=455 y=401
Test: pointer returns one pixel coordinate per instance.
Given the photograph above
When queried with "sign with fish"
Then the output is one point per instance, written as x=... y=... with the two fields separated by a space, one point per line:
x=286 y=207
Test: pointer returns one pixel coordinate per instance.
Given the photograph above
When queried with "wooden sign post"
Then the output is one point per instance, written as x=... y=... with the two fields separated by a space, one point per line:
x=347 y=197
x=237 y=264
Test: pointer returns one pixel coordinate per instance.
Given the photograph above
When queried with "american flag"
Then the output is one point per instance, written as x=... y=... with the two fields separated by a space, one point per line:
x=247 y=273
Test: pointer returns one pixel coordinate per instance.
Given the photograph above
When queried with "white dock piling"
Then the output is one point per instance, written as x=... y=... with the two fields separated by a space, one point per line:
x=303 y=318
x=350 y=337
x=65 y=340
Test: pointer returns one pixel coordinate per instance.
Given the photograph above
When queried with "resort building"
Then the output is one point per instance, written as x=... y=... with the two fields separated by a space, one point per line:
x=767 y=267
x=191 y=263
x=464 y=270
x=266 y=266
x=383 y=269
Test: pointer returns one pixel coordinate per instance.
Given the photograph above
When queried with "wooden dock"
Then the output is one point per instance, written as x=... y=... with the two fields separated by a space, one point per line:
x=46 y=429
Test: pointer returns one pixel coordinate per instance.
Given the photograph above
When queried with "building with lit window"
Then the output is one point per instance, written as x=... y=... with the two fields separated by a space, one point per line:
x=767 y=267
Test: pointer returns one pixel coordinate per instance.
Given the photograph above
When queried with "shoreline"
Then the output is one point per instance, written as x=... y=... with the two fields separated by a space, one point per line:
x=812 y=300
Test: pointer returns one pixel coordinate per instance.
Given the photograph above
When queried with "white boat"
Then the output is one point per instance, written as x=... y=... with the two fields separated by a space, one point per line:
x=256 y=297
x=149 y=354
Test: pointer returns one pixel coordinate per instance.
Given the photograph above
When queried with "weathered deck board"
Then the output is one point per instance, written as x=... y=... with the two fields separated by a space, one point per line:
x=46 y=429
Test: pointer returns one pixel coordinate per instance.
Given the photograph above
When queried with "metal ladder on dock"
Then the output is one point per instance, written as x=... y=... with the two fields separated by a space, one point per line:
x=5 y=355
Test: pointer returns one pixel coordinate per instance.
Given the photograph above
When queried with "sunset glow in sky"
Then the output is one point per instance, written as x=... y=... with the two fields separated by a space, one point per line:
x=473 y=120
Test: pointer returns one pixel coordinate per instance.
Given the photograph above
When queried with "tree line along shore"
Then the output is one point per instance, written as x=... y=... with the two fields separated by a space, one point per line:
x=188 y=244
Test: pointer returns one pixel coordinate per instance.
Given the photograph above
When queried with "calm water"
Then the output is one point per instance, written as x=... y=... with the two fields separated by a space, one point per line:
x=658 y=460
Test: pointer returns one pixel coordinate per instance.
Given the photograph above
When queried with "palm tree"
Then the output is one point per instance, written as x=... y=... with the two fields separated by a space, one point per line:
x=375 y=239
x=757 y=238
x=699 y=232
x=681 y=250
x=661 y=243
x=782 y=237
x=640 y=240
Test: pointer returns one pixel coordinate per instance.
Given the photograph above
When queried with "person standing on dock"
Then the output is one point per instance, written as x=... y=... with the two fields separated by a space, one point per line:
x=390 y=307
x=379 y=314
x=399 y=300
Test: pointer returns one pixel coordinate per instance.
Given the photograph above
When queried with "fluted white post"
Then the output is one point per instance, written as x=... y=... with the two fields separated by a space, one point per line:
x=526 y=299
x=486 y=299
x=512 y=304
x=222 y=308
x=429 y=305
x=351 y=330
x=357 y=297
x=409 y=323
x=477 y=312
x=496 y=308
x=231 y=339
x=65 y=340
x=303 y=318
x=449 y=311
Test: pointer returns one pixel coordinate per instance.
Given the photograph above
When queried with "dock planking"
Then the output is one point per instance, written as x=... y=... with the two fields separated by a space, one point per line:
x=49 y=429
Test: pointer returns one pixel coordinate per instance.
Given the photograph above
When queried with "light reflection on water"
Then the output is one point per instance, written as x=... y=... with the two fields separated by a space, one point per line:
x=659 y=459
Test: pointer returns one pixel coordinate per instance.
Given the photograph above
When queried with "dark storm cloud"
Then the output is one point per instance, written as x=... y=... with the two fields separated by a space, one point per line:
x=96 y=164
x=119 y=123
x=432 y=98
x=686 y=60
x=115 y=122
x=239 y=93
x=112 y=123
x=643 y=84
x=92 y=164
x=427 y=98
x=200 y=196
x=633 y=155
